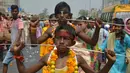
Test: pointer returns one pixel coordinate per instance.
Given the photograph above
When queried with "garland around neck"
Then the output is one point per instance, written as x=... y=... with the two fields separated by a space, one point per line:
x=72 y=66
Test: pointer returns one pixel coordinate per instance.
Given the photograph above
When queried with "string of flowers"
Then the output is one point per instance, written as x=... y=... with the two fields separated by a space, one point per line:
x=71 y=63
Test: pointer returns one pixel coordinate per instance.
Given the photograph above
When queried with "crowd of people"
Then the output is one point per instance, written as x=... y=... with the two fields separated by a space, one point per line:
x=66 y=46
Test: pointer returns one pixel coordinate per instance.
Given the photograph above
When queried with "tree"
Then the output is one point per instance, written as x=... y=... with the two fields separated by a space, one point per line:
x=44 y=14
x=94 y=13
x=83 y=12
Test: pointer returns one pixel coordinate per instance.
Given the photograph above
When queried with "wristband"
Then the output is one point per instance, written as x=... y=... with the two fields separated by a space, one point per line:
x=20 y=58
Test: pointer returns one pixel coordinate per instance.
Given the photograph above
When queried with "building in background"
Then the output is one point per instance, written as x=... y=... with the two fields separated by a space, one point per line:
x=110 y=2
x=106 y=3
x=8 y=3
x=5 y=4
x=2 y=8
x=125 y=1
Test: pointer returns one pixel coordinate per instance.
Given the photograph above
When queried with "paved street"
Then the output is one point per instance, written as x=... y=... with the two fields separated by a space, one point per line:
x=31 y=57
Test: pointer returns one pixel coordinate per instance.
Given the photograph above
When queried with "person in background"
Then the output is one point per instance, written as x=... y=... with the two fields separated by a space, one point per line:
x=43 y=48
x=99 y=58
x=16 y=33
x=35 y=22
x=1 y=37
x=51 y=23
x=26 y=29
x=62 y=13
x=80 y=46
x=127 y=31
x=119 y=42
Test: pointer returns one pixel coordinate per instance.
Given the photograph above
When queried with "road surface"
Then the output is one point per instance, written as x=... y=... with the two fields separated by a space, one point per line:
x=31 y=57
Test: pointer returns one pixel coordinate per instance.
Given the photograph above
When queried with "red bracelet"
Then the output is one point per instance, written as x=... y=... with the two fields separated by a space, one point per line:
x=20 y=58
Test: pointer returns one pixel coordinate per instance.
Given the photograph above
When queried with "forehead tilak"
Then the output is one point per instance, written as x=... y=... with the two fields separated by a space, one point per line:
x=62 y=12
x=63 y=32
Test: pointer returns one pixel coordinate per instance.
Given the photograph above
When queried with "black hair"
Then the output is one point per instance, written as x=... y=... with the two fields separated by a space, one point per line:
x=52 y=16
x=3 y=15
x=82 y=18
x=61 y=6
x=14 y=7
x=67 y=27
x=0 y=13
x=120 y=21
x=7 y=14
x=90 y=18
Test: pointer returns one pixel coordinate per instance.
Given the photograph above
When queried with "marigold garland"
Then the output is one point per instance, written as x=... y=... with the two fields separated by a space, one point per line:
x=50 y=41
x=71 y=63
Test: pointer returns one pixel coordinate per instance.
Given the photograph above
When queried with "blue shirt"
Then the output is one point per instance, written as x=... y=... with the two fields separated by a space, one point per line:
x=120 y=64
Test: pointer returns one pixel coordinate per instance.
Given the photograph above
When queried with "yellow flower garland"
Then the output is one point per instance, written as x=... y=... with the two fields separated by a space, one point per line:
x=50 y=41
x=71 y=63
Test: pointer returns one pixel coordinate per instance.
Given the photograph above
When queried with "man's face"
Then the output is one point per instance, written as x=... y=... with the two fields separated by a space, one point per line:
x=64 y=14
x=62 y=18
x=128 y=23
x=117 y=29
x=63 y=39
x=15 y=13
x=83 y=25
x=25 y=17
x=53 y=22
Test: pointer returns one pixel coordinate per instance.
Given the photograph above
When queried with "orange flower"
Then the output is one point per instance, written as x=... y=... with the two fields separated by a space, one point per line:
x=70 y=70
x=50 y=41
x=46 y=69
x=73 y=26
x=48 y=62
x=50 y=48
x=72 y=54
x=54 y=57
x=71 y=62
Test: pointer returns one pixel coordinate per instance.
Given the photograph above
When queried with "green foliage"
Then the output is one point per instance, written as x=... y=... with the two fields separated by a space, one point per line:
x=83 y=12
x=44 y=14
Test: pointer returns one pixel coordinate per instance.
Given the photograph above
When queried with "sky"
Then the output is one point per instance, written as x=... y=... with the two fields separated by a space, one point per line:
x=36 y=6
